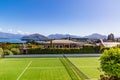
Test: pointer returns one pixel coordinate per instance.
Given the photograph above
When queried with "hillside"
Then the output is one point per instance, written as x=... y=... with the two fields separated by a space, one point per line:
x=4 y=35
x=59 y=36
x=96 y=36
x=35 y=37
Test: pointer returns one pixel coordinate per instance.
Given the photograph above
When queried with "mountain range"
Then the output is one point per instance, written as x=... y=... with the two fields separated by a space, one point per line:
x=52 y=36
x=4 y=35
x=59 y=36
x=96 y=36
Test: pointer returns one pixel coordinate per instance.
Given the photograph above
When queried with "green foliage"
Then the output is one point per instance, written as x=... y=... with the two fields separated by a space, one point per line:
x=110 y=62
x=15 y=51
x=104 y=48
x=89 y=49
x=7 y=52
x=1 y=53
x=8 y=45
x=3 y=45
x=10 y=48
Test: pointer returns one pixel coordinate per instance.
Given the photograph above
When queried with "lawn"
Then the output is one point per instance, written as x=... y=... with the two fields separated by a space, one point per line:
x=46 y=68
x=88 y=65
x=32 y=69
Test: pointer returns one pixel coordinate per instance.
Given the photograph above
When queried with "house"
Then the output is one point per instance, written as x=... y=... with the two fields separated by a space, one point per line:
x=62 y=44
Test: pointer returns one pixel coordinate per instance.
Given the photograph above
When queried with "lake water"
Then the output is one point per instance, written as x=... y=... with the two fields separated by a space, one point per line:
x=12 y=40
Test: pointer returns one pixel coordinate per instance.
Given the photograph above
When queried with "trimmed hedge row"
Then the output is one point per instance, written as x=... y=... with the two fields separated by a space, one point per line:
x=88 y=49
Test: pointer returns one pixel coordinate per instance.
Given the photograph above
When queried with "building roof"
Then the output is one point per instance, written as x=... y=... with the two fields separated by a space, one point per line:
x=111 y=44
x=62 y=42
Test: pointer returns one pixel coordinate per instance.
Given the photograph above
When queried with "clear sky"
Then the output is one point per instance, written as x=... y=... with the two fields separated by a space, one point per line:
x=77 y=17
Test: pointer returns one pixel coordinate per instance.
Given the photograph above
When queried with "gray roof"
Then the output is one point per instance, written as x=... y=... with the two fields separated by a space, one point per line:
x=62 y=42
x=110 y=44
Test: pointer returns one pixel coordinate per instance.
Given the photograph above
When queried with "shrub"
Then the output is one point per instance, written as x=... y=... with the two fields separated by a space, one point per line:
x=15 y=51
x=61 y=50
x=1 y=53
x=8 y=52
x=102 y=49
x=110 y=63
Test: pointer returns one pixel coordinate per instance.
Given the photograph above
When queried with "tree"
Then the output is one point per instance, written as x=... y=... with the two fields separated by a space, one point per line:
x=111 y=37
x=51 y=44
x=110 y=64
x=15 y=51
x=1 y=53
x=7 y=52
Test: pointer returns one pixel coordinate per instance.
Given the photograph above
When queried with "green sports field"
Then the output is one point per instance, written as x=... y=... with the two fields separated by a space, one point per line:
x=88 y=65
x=45 y=68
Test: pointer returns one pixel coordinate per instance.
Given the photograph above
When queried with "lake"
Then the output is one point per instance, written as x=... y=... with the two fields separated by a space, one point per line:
x=12 y=40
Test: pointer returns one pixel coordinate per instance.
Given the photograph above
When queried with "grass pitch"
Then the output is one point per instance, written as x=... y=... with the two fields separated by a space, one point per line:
x=33 y=69
x=88 y=65
x=45 y=68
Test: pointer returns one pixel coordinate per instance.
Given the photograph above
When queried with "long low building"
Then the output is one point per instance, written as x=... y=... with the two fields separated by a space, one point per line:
x=108 y=44
x=62 y=44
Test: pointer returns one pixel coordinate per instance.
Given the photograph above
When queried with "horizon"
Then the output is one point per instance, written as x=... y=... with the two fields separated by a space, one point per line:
x=82 y=36
x=76 y=17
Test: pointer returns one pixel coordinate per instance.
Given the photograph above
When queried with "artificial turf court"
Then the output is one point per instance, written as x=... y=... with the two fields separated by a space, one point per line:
x=45 y=68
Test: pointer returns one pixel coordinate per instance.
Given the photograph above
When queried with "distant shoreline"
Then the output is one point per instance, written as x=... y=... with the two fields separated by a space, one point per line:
x=8 y=40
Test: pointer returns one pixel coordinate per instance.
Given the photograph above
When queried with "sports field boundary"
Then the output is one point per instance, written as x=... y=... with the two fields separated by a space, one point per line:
x=51 y=55
x=24 y=70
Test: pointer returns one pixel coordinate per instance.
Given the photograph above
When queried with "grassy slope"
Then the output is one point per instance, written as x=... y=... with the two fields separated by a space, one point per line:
x=40 y=69
x=88 y=65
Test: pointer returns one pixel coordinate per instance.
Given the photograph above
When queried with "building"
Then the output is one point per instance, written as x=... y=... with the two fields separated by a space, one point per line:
x=62 y=44
x=108 y=44
x=23 y=49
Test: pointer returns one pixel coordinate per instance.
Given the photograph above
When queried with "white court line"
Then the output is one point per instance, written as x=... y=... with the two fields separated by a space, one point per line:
x=24 y=70
x=46 y=67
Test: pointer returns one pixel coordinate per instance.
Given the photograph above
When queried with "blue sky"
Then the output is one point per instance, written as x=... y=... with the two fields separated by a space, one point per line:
x=77 y=17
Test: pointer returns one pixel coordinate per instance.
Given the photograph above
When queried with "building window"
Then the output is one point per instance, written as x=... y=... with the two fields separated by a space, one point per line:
x=56 y=46
x=60 y=46
x=48 y=46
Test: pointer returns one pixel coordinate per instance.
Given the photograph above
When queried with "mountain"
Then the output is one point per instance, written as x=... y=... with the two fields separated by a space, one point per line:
x=52 y=36
x=10 y=35
x=92 y=36
x=96 y=36
x=35 y=37
x=59 y=36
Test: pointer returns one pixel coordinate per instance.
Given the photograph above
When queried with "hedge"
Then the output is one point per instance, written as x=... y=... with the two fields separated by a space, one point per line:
x=63 y=50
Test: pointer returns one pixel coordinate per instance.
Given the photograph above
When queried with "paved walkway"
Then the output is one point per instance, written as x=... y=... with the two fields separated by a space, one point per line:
x=52 y=55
